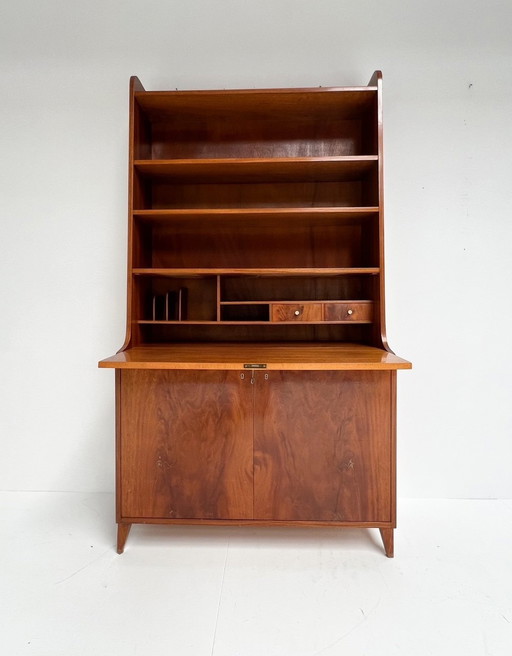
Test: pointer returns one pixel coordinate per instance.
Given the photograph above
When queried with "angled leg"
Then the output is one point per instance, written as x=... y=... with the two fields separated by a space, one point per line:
x=387 y=537
x=122 y=534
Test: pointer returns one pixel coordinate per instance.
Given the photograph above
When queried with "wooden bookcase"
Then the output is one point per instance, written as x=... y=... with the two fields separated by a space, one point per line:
x=255 y=384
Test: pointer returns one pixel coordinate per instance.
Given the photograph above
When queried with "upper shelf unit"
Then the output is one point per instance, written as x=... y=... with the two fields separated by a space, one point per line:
x=256 y=215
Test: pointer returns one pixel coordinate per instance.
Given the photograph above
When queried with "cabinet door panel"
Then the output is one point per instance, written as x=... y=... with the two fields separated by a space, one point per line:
x=186 y=445
x=323 y=446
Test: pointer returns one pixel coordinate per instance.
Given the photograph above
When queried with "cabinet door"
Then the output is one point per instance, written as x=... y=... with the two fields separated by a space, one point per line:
x=323 y=446
x=185 y=445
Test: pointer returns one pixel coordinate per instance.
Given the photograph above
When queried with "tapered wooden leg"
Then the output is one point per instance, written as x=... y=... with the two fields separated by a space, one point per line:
x=122 y=534
x=387 y=537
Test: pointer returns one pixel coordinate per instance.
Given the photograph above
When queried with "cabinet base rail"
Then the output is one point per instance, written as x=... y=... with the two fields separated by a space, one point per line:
x=386 y=531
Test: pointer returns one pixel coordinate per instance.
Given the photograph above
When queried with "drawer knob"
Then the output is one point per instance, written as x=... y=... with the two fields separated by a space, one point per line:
x=350 y=311
x=296 y=313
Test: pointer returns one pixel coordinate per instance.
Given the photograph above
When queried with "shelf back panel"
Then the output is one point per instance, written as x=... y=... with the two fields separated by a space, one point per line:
x=223 y=137
x=165 y=334
x=238 y=288
x=165 y=195
x=252 y=247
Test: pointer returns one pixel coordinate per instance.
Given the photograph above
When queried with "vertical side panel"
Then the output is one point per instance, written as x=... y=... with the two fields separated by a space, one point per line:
x=380 y=138
x=137 y=147
x=393 y=377
x=119 y=375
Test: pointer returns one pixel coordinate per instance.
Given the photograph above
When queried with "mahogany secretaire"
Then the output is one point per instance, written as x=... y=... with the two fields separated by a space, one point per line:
x=255 y=385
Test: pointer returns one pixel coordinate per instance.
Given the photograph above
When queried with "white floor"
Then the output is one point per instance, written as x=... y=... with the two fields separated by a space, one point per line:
x=198 y=591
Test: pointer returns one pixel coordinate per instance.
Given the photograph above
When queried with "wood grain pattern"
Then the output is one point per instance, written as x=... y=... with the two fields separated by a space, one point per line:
x=186 y=445
x=351 y=311
x=322 y=446
x=296 y=312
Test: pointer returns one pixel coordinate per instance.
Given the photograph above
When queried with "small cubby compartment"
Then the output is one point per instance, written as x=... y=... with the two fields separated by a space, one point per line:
x=212 y=124
x=176 y=299
x=242 y=289
x=245 y=312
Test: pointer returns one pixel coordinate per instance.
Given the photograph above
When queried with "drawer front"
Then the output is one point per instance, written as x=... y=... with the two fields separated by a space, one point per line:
x=348 y=311
x=297 y=312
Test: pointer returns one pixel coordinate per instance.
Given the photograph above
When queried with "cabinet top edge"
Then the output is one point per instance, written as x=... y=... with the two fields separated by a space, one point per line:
x=372 y=86
x=222 y=92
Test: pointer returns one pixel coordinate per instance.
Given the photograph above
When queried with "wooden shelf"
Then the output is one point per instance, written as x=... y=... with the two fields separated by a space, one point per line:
x=265 y=217
x=257 y=213
x=275 y=169
x=223 y=322
x=309 y=271
x=308 y=357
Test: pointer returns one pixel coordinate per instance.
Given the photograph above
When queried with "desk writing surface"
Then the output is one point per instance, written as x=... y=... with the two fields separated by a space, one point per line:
x=303 y=357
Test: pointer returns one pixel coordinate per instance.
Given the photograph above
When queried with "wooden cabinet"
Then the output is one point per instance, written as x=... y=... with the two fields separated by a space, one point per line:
x=284 y=445
x=255 y=384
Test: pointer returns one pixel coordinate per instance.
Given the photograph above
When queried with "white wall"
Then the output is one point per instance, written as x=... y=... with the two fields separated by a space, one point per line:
x=64 y=69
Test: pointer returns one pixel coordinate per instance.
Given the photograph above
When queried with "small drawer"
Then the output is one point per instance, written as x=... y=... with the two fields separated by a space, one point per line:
x=348 y=311
x=297 y=312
